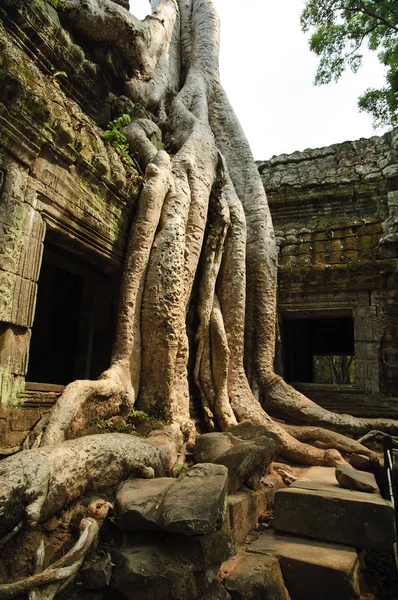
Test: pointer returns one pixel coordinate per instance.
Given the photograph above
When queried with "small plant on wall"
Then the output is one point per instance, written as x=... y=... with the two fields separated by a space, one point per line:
x=115 y=136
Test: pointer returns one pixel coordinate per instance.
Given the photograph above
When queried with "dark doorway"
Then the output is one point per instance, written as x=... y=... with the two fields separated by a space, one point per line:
x=74 y=323
x=319 y=350
x=54 y=342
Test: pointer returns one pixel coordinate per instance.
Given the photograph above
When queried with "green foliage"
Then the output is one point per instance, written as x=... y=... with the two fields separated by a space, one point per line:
x=139 y=416
x=317 y=218
x=339 y=30
x=58 y=74
x=112 y=425
x=58 y=4
x=133 y=420
x=115 y=136
x=334 y=369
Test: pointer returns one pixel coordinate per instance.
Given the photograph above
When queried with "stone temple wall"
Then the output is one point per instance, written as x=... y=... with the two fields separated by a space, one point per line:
x=61 y=190
x=335 y=213
x=66 y=201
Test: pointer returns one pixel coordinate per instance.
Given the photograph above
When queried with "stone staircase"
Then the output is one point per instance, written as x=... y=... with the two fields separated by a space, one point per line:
x=319 y=530
x=186 y=538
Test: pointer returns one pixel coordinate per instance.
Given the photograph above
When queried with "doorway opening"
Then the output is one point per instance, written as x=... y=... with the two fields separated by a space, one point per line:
x=76 y=310
x=319 y=350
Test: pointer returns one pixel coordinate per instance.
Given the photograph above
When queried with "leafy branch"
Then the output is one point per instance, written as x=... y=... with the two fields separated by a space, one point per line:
x=339 y=28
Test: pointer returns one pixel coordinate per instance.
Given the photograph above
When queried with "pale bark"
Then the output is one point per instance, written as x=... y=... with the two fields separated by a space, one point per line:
x=46 y=583
x=37 y=483
x=202 y=217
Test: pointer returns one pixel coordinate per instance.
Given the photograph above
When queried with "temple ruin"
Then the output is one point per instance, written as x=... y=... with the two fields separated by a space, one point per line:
x=67 y=203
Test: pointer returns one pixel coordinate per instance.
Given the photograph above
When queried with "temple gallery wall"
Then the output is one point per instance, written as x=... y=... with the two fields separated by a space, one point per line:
x=64 y=221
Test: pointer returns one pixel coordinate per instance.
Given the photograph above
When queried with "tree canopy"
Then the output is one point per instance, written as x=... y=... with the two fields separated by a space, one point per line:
x=339 y=31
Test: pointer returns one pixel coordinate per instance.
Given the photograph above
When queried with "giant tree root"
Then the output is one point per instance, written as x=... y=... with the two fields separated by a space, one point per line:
x=46 y=583
x=37 y=483
x=202 y=204
x=285 y=402
x=323 y=438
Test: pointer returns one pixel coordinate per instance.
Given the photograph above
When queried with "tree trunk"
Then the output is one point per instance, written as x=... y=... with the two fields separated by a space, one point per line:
x=202 y=235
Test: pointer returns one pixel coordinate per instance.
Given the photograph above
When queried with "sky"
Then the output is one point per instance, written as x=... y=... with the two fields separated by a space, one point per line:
x=268 y=70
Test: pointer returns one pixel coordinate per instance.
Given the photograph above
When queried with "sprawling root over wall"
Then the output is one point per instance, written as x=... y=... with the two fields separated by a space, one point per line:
x=202 y=216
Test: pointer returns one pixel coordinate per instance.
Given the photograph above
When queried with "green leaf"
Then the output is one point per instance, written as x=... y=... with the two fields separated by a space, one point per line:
x=339 y=29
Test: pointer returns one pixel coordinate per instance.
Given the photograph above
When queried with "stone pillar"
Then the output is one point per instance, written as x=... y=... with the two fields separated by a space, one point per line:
x=386 y=305
x=367 y=348
x=21 y=234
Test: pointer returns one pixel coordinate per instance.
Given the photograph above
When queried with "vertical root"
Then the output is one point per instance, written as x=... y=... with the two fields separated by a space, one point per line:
x=212 y=357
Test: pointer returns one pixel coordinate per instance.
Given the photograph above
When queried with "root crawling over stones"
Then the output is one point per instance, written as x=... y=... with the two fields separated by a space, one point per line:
x=202 y=243
x=47 y=582
x=37 y=483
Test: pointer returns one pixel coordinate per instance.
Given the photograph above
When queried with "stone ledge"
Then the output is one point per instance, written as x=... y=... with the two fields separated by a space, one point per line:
x=317 y=507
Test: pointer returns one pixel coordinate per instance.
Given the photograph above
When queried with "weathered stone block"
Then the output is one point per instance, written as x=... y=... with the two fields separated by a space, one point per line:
x=312 y=569
x=321 y=247
x=23 y=419
x=256 y=578
x=152 y=571
x=15 y=180
x=354 y=518
x=367 y=242
x=356 y=480
x=246 y=430
x=96 y=574
x=10 y=387
x=138 y=502
x=193 y=504
x=196 y=503
x=14 y=348
x=244 y=509
x=303 y=260
x=176 y=567
x=392 y=198
x=371 y=229
x=290 y=250
x=13 y=438
x=210 y=446
x=351 y=257
x=336 y=258
x=335 y=245
x=247 y=462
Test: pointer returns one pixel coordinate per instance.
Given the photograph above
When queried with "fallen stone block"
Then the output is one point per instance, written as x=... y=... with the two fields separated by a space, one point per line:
x=312 y=569
x=246 y=430
x=334 y=514
x=138 y=502
x=365 y=463
x=193 y=504
x=210 y=446
x=247 y=462
x=356 y=480
x=256 y=577
x=196 y=503
x=215 y=591
x=143 y=572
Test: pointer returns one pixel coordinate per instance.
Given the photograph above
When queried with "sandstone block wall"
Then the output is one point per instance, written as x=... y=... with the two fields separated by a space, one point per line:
x=59 y=184
x=334 y=213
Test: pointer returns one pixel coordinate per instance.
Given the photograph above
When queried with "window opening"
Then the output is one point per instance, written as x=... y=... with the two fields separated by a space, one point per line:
x=319 y=350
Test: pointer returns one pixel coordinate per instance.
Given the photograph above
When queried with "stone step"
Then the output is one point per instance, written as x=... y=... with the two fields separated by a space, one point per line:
x=256 y=577
x=316 y=506
x=245 y=507
x=172 y=566
x=312 y=570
